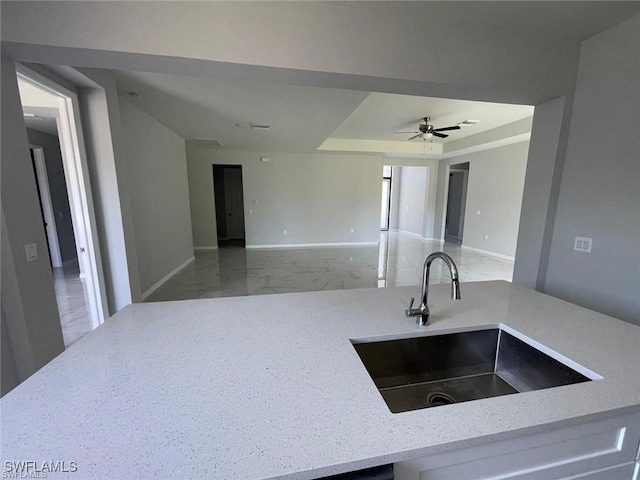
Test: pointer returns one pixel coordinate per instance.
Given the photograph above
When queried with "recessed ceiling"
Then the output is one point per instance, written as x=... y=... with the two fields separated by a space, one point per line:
x=381 y=114
x=304 y=119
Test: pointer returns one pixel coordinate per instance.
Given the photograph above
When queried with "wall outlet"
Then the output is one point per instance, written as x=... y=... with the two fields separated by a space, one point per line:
x=582 y=244
x=284 y=232
x=477 y=212
x=31 y=250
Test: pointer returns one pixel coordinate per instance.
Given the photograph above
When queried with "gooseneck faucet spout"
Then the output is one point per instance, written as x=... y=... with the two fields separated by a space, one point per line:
x=422 y=312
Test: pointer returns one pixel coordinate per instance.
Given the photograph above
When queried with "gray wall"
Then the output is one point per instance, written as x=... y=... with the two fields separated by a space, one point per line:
x=540 y=192
x=28 y=303
x=313 y=38
x=495 y=185
x=317 y=198
x=58 y=190
x=600 y=189
x=159 y=194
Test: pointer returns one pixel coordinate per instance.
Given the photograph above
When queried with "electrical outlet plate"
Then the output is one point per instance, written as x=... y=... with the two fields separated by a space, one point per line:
x=582 y=244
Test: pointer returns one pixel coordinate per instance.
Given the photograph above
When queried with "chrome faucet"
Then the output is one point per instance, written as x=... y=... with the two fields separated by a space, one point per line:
x=422 y=312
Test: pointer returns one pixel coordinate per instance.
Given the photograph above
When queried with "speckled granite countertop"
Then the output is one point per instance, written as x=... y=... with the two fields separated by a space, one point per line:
x=271 y=387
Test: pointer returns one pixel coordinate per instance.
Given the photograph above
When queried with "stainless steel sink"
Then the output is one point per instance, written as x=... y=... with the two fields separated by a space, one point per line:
x=430 y=371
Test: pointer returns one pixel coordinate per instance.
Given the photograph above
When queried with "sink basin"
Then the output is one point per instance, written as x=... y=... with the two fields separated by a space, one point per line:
x=430 y=371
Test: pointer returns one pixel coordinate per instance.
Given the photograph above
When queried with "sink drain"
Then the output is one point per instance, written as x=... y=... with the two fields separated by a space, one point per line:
x=437 y=399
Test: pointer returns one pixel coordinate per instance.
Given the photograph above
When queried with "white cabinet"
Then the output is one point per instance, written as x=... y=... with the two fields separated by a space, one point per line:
x=604 y=449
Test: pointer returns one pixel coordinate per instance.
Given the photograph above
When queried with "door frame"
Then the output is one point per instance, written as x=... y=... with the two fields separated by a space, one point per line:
x=463 y=204
x=47 y=205
x=76 y=172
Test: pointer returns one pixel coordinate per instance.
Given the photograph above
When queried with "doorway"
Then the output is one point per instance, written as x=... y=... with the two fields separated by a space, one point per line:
x=456 y=202
x=61 y=175
x=229 y=205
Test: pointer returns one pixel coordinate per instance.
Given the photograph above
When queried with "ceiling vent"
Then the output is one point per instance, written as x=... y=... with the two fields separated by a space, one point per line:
x=469 y=122
x=208 y=142
x=260 y=126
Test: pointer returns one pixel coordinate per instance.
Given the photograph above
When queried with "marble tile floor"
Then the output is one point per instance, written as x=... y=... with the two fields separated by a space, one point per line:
x=397 y=261
x=71 y=299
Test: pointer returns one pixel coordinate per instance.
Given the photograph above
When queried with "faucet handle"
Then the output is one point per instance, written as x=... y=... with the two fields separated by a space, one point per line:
x=409 y=311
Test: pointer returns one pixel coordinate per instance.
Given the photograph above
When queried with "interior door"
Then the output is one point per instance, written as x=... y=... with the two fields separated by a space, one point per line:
x=455 y=204
x=234 y=203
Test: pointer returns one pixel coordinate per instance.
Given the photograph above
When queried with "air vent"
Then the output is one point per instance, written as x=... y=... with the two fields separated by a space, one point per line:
x=260 y=126
x=208 y=142
x=469 y=122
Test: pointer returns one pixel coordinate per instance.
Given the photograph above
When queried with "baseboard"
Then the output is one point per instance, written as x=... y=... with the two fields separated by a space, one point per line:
x=415 y=235
x=204 y=249
x=314 y=245
x=487 y=252
x=410 y=234
x=167 y=277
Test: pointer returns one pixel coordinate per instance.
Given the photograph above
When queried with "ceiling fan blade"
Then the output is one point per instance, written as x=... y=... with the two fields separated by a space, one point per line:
x=404 y=132
x=416 y=136
x=456 y=127
x=439 y=135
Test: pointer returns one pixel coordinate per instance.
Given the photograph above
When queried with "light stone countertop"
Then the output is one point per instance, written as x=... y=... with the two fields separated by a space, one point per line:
x=271 y=387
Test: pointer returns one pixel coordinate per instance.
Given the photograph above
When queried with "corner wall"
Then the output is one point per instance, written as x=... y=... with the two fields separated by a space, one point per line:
x=316 y=198
x=159 y=195
x=600 y=189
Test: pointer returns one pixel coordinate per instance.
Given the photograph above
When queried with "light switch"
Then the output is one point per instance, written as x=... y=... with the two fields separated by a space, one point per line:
x=251 y=211
x=477 y=212
x=32 y=252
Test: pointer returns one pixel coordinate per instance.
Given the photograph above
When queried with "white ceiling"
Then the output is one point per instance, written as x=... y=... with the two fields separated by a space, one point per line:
x=302 y=118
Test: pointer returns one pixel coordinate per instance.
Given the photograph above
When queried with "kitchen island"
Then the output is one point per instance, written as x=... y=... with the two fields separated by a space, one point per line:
x=271 y=387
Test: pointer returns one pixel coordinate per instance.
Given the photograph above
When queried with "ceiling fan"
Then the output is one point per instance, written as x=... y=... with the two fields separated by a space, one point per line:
x=426 y=130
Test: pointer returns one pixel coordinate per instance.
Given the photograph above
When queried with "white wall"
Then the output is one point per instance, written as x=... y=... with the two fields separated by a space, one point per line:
x=412 y=184
x=159 y=194
x=600 y=189
x=317 y=198
x=495 y=186
x=430 y=188
x=108 y=170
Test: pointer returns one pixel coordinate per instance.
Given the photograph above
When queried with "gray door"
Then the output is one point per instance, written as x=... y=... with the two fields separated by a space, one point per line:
x=455 y=205
x=234 y=203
